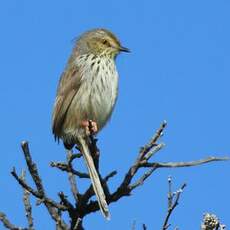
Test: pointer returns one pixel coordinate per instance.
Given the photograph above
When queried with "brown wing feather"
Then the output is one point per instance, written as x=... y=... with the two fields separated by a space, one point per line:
x=67 y=89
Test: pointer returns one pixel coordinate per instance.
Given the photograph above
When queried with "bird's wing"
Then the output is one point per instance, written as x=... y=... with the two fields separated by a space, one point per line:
x=68 y=87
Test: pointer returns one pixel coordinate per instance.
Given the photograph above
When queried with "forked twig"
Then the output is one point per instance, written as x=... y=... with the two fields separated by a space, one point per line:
x=173 y=201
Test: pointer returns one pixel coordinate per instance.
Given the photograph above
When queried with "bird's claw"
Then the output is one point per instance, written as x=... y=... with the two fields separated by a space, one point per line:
x=90 y=127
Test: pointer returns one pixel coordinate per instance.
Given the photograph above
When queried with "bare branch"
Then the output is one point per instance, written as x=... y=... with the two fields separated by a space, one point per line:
x=7 y=224
x=73 y=186
x=65 y=167
x=32 y=167
x=172 y=203
x=27 y=205
x=142 y=179
x=24 y=185
x=51 y=205
x=145 y=154
x=182 y=164
x=84 y=205
x=42 y=197
x=65 y=201
x=74 y=156
x=144 y=150
x=72 y=178
x=110 y=175
x=154 y=150
x=170 y=194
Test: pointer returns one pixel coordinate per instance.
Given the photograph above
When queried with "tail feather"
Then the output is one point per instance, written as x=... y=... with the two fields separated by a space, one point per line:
x=94 y=178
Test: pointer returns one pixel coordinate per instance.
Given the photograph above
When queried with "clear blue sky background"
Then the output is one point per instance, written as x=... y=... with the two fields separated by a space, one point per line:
x=178 y=70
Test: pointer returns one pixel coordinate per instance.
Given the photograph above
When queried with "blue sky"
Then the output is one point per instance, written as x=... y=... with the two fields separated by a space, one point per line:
x=178 y=71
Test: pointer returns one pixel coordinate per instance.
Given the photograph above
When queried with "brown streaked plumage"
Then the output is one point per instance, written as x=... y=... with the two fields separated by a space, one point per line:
x=87 y=91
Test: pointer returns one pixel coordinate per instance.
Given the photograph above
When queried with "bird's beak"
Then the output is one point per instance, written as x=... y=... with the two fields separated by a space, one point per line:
x=124 y=49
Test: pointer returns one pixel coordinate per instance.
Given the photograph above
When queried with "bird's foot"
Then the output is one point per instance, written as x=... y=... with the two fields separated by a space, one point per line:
x=90 y=127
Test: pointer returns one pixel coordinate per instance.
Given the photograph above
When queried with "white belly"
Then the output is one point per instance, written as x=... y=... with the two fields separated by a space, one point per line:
x=96 y=96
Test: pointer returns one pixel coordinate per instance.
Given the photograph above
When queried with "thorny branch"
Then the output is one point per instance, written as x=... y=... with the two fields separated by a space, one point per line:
x=83 y=204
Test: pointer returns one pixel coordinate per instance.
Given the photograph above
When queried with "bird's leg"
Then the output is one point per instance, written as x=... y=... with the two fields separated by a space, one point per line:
x=90 y=127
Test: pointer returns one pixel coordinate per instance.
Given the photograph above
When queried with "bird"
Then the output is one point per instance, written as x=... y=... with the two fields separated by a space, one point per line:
x=86 y=94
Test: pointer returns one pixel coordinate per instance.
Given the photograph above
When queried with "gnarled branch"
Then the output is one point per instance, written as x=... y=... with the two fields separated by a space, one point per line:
x=84 y=205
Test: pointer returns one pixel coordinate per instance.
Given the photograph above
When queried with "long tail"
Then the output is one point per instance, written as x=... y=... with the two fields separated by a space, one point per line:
x=94 y=178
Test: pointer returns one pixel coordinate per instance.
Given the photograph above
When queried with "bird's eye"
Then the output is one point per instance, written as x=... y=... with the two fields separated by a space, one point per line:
x=105 y=42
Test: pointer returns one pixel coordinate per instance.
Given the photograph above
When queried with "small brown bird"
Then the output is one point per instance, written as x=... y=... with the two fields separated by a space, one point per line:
x=87 y=91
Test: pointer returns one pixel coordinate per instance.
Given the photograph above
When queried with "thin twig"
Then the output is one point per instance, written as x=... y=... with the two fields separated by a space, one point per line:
x=110 y=175
x=32 y=167
x=182 y=164
x=142 y=179
x=73 y=186
x=72 y=178
x=41 y=197
x=7 y=224
x=65 y=201
x=51 y=205
x=153 y=141
x=27 y=204
x=173 y=204
x=144 y=154
x=170 y=194
x=65 y=167
x=154 y=150
x=24 y=185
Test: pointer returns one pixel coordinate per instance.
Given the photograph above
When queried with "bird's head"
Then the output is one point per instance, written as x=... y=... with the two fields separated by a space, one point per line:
x=99 y=42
